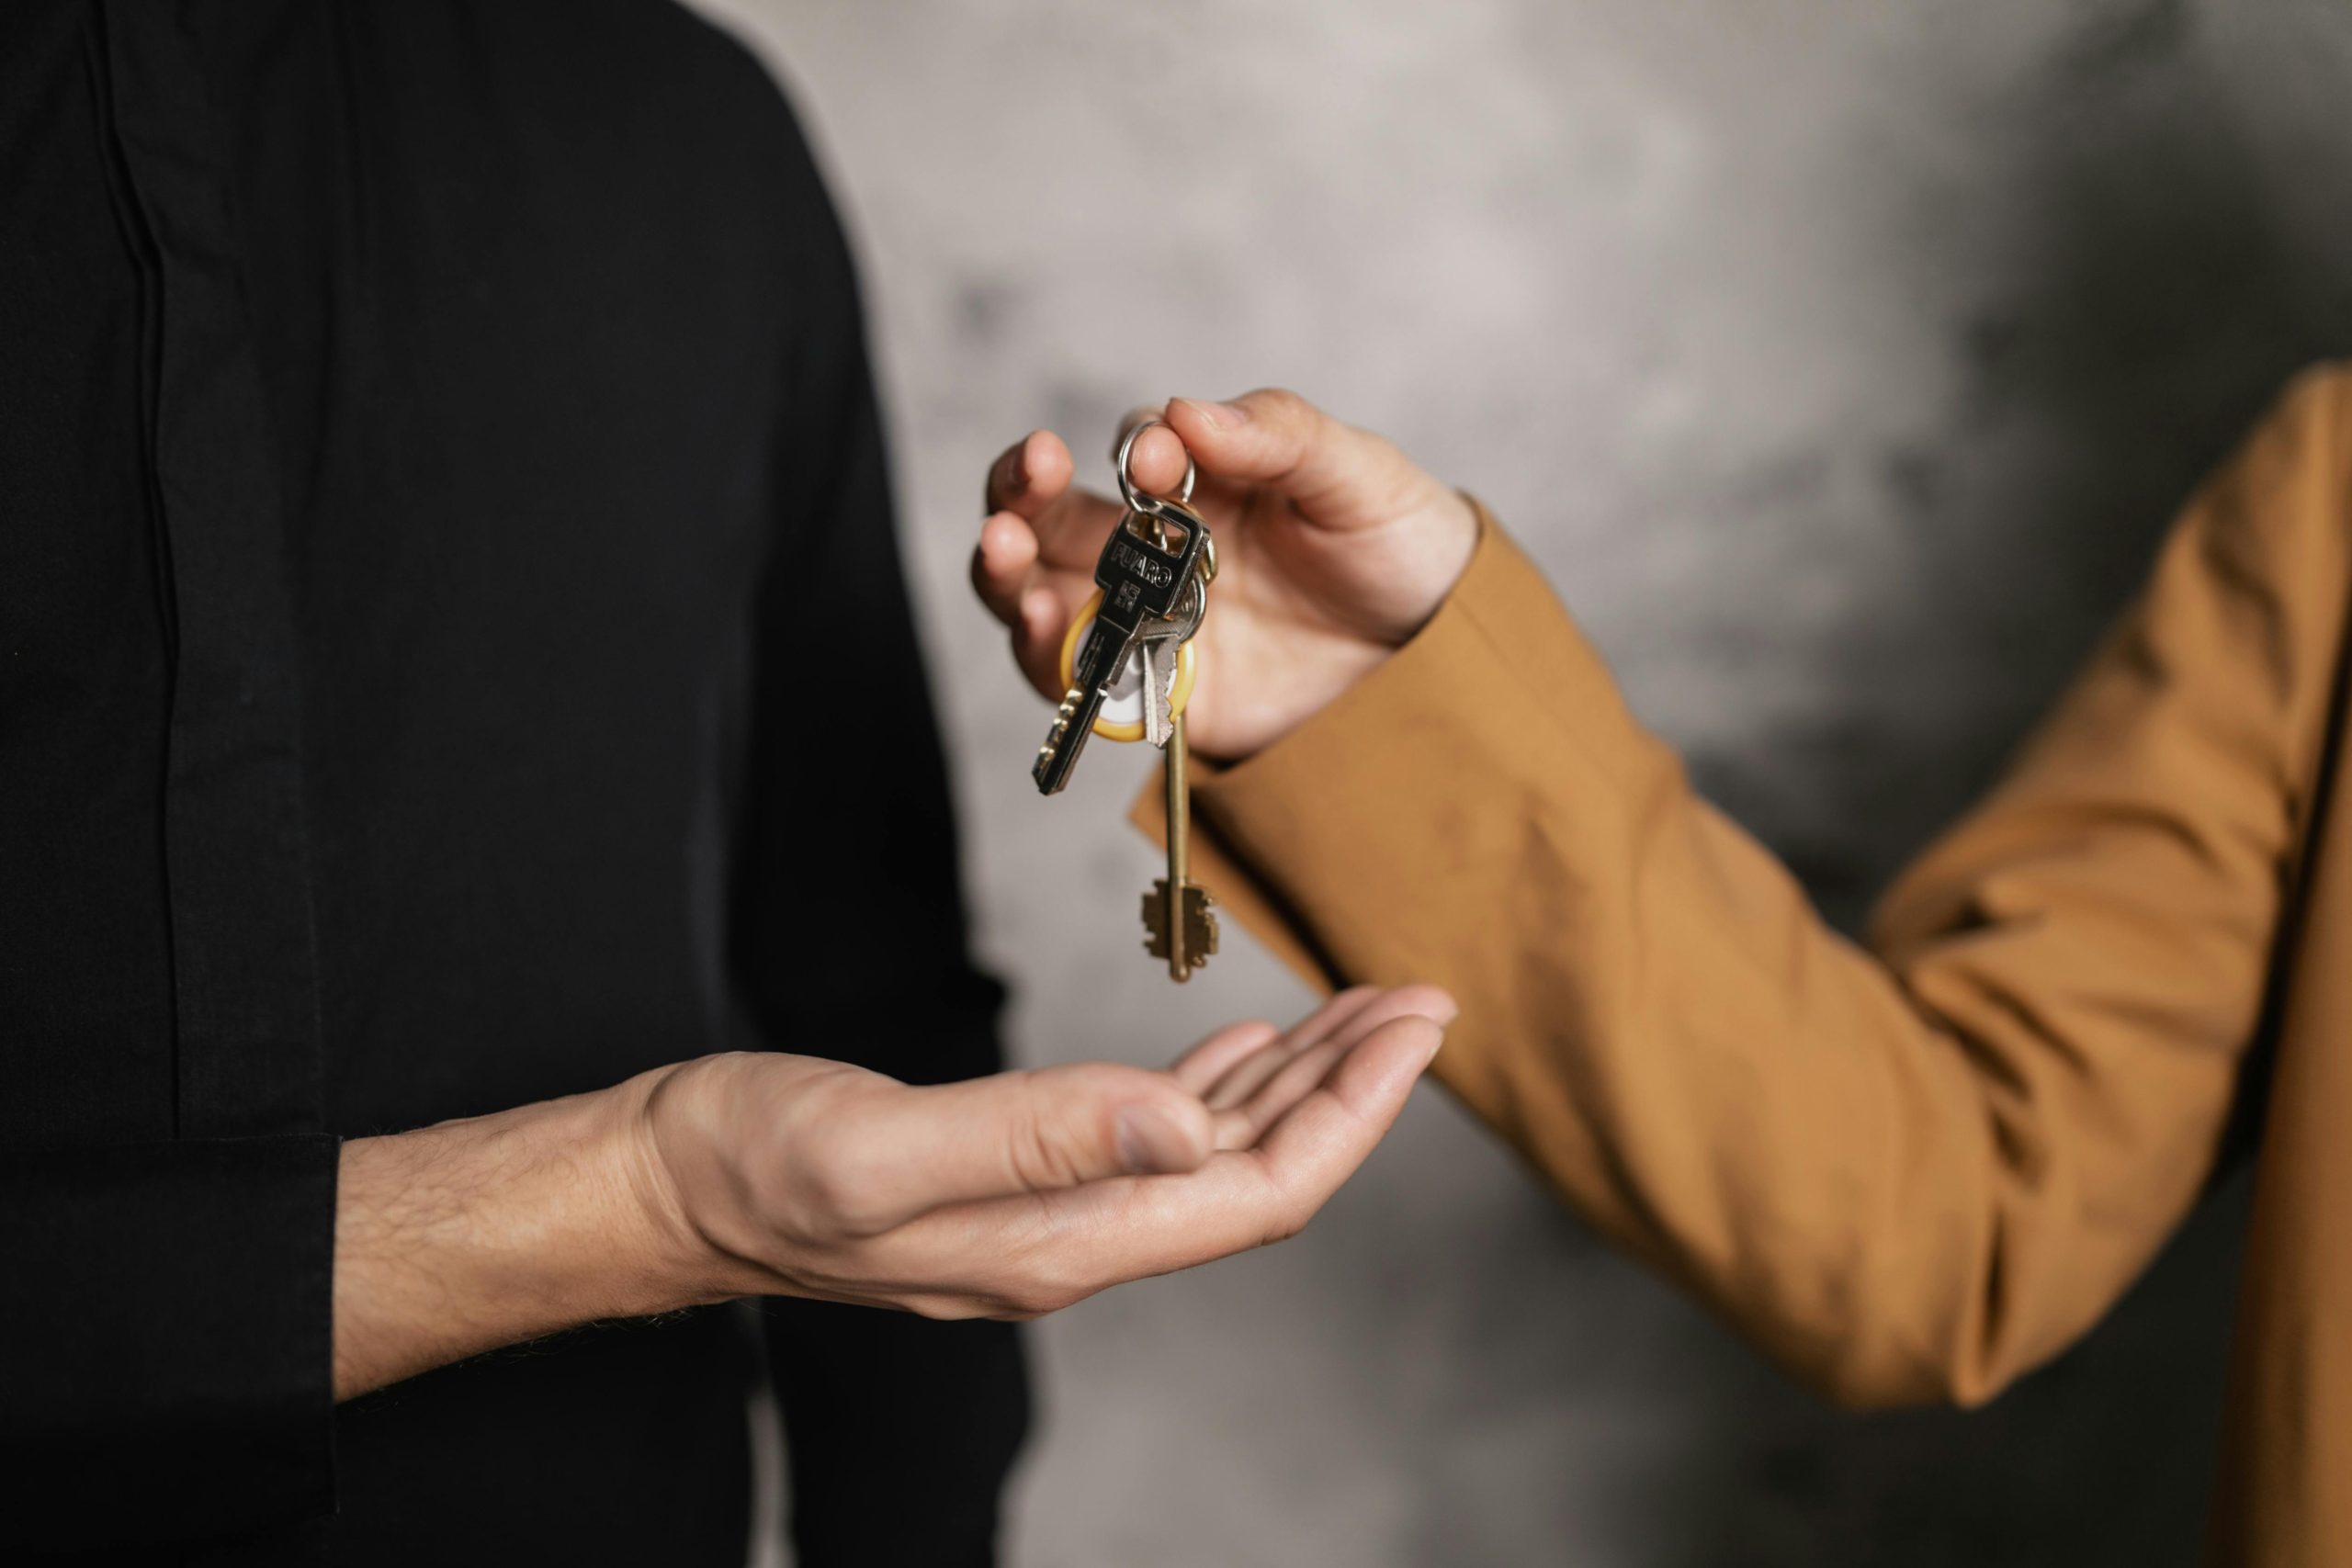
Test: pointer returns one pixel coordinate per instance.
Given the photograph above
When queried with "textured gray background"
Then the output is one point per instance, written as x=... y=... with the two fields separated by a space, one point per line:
x=1841 y=362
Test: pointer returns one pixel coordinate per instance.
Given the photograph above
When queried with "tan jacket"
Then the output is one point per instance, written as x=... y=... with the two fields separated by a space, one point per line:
x=1916 y=1170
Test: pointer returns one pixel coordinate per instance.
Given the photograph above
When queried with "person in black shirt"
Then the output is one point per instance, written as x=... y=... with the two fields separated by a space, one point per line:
x=453 y=659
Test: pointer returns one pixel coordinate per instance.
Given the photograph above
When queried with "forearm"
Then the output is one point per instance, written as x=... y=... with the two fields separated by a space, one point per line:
x=462 y=1237
x=765 y=1173
x=1651 y=1014
x=1909 y=1177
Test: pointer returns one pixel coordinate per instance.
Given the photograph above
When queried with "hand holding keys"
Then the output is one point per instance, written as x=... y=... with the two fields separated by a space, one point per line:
x=1152 y=598
x=1338 y=548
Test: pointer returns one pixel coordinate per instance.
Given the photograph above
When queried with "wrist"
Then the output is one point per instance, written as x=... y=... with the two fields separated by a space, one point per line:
x=687 y=1130
x=1444 y=542
x=656 y=1237
x=463 y=1236
x=1420 y=564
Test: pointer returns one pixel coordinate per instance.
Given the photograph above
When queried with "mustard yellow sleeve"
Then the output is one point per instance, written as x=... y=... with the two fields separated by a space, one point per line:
x=1909 y=1172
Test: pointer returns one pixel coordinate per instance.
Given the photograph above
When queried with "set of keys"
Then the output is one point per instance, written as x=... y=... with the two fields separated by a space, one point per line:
x=1129 y=668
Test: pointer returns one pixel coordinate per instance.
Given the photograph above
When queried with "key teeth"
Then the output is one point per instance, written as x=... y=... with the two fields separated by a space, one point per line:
x=1155 y=921
x=1062 y=737
x=1200 y=926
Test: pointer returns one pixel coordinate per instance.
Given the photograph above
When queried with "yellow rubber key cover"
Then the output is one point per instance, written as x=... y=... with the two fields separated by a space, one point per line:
x=1122 y=715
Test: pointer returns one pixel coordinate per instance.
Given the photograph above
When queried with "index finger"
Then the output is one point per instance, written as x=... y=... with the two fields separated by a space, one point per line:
x=1029 y=476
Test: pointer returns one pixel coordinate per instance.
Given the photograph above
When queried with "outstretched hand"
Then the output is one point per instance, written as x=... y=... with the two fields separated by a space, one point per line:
x=1016 y=1195
x=1334 y=549
x=764 y=1174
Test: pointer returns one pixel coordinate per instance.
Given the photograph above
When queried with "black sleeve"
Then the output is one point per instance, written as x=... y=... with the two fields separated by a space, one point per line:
x=165 y=1288
x=168 y=1307
x=849 y=942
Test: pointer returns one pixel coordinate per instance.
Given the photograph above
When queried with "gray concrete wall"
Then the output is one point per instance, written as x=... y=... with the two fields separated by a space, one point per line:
x=1841 y=362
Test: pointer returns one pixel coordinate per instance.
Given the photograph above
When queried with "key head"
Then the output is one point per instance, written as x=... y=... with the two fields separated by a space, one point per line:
x=1197 y=909
x=1142 y=580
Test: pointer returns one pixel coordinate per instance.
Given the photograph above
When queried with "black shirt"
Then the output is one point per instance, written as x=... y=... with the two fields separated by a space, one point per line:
x=452 y=653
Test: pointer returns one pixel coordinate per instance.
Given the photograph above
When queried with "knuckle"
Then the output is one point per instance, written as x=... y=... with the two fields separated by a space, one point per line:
x=833 y=1189
x=1282 y=403
x=1039 y=1142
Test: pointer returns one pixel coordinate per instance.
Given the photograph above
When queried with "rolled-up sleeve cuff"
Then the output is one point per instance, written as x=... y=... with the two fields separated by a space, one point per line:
x=1351 y=846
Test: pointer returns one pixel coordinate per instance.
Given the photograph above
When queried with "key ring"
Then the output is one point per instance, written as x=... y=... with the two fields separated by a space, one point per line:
x=1137 y=501
x=1153 y=509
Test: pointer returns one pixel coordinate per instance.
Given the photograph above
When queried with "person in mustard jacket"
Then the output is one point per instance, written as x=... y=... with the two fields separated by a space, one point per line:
x=1912 y=1170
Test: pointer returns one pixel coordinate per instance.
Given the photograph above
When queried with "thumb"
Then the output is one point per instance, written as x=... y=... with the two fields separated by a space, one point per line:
x=1337 y=476
x=1015 y=1133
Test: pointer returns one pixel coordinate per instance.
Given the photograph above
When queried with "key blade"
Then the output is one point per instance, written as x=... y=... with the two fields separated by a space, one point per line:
x=1057 y=758
x=1099 y=663
x=1158 y=681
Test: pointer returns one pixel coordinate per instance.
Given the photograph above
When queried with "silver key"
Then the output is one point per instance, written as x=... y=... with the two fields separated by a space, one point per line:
x=1159 y=662
x=1159 y=648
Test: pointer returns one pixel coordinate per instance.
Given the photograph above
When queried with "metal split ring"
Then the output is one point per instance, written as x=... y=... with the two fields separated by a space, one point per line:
x=1135 y=499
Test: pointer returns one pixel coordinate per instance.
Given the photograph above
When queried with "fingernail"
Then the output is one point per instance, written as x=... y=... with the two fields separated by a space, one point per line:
x=1218 y=416
x=1438 y=1046
x=1150 y=1143
x=1016 y=468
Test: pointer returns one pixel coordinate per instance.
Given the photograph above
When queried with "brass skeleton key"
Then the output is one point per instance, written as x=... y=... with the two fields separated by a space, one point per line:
x=1181 y=917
